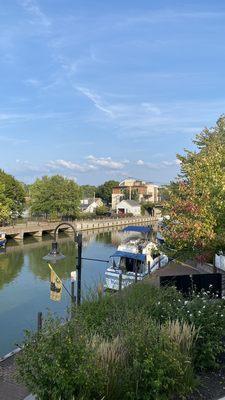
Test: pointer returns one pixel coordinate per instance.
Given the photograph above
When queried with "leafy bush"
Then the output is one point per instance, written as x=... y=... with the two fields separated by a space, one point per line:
x=142 y=343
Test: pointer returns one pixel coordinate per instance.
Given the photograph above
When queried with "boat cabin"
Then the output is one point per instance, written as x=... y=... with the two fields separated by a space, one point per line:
x=128 y=262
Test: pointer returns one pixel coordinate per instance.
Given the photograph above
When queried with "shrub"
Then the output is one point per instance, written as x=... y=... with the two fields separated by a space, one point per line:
x=142 y=343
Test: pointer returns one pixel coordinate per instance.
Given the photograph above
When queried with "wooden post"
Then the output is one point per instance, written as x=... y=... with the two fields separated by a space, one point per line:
x=136 y=272
x=79 y=241
x=39 y=321
x=120 y=281
x=73 y=297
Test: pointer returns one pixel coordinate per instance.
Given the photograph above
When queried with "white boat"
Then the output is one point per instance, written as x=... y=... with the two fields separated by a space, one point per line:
x=2 y=239
x=133 y=260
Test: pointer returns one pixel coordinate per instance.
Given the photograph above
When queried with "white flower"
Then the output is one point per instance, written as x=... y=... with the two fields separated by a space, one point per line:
x=221 y=315
x=158 y=302
x=185 y=302
x=203 y=307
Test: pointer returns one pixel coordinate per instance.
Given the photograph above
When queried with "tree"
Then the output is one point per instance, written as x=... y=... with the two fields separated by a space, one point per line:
x=13 y=192
x=102 y=210
x=88 y=191
x=196 y=201
x=105 y=191
x=5 y=205
x=55 y=196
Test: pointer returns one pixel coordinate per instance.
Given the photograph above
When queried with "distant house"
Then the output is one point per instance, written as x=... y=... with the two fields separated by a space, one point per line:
x=89 y=205
x=128 y=207
x=143 y=191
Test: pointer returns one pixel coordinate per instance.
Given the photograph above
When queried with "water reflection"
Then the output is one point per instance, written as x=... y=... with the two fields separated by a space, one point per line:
x=24 y=280
x=10 y=266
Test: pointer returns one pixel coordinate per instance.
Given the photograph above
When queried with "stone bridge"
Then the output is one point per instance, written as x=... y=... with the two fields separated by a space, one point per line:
x=37 y=229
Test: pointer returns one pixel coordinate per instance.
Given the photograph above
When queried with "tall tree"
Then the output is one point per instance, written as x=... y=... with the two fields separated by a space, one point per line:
x=88 y=191
x=13 y=192
x=105 y=190
x=196 y=202
x=55 y=196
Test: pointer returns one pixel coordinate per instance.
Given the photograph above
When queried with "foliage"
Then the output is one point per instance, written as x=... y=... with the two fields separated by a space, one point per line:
x=4 y=205
x=55 y=196
x=143 y=343
x=196 y=202
x=104 y=191
x=14 y=194
x=88 y=191
x=102 y=210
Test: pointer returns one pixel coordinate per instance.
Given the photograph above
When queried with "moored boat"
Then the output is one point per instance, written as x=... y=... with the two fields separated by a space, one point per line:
x=133 y=260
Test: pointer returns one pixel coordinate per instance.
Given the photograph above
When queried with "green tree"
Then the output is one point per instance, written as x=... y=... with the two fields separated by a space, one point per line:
x=4 y=205
x=102 y=210
x=88 y=191
x=55 y=196
x=13 y=192
x=105 y=191
x=196 y=201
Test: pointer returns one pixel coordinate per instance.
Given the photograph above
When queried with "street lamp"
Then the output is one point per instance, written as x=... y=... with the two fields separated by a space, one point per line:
x=54 y=255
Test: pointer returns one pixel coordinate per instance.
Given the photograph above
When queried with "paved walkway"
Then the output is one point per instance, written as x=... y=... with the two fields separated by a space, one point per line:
x=10 y=389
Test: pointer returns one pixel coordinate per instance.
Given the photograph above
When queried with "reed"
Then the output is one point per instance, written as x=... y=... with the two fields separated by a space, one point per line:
x=181 y=333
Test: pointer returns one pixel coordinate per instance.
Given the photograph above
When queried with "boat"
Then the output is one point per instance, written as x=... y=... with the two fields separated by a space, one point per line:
x=2 y=239
x=133 y=260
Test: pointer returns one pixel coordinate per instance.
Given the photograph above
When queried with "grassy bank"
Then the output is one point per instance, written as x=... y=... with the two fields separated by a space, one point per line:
x=144 y=343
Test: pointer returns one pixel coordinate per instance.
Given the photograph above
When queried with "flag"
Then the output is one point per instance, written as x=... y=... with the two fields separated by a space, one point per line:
x=55 y=286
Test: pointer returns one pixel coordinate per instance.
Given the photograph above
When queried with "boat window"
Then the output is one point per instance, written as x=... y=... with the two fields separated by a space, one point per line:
x=116 y=262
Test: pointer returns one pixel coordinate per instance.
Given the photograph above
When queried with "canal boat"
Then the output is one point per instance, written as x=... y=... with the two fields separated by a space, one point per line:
x=2 y=239
x=133 y=260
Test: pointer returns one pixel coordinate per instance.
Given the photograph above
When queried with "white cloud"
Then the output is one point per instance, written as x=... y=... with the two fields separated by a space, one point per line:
x=106 y=162
x=159 y=165
x=69 y=165
x=32 y=7
x=95 y=99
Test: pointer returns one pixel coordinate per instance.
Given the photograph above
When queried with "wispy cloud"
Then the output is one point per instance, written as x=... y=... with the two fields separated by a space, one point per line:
x=96 y=100
x=12 y=140
x=159 y=165
x=32 y=7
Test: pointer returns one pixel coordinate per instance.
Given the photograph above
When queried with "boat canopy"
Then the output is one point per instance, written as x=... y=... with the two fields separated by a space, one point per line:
x=142 y=229
x=134 y=256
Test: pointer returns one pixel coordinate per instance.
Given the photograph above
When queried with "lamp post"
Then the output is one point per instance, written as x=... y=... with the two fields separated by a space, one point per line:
x=54 y=255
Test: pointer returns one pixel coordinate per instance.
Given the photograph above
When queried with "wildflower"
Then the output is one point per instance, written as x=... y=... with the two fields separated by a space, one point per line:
x=185 y=302
x=158 y=302
x=221 y=315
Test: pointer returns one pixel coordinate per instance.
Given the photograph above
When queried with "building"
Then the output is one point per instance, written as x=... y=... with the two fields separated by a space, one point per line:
x=89 y=205
x=139 y=190
x=128 y=207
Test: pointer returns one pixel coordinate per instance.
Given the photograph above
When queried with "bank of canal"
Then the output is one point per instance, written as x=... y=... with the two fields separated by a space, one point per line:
x=24 y=280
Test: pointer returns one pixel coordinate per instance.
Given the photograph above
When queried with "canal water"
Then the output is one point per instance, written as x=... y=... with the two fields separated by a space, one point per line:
x=24 y=280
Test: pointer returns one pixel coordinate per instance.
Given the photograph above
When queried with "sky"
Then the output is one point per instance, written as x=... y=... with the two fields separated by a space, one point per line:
x=97 y=90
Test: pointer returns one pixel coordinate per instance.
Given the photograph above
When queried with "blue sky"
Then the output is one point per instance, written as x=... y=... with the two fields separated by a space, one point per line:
x=97 y=90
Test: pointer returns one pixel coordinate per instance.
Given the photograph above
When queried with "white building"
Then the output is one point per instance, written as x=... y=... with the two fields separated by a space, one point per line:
x=144 y=191
x=90 y=205
x=128 y=207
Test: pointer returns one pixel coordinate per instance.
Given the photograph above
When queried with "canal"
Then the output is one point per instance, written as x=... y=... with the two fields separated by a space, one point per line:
x=24 y=280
